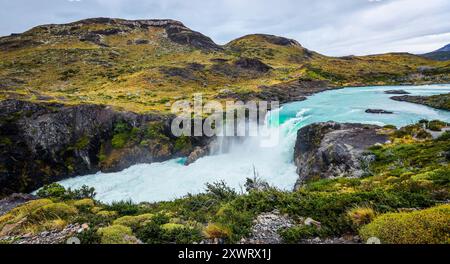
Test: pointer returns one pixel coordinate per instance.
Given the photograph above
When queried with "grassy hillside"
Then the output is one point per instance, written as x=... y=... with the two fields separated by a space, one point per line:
x=144 y=65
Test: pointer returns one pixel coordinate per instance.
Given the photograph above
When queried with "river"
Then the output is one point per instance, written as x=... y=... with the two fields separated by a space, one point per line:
x=171 y=179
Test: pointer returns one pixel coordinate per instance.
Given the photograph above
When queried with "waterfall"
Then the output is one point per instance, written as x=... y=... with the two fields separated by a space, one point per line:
x=234 y=159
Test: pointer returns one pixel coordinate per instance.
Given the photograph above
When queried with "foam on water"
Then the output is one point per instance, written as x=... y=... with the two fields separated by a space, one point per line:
x=171 y=179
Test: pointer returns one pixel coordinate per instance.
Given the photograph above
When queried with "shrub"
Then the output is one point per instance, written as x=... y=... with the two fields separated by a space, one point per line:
x=89 y=237
x=158 y=231
x=361 y=215
x=124 y=208
x=133 y=221
x=150 y=233
x=115 y=234
x=84 y=204
x=57 y=191
x=172 y=226
x=441 y=177
x=216 y=231
x=53 y=211
x=119 y=140
x=220 y=191
x=57 y=224
x=173 y=233
x=107 y=214
x=85 y=192
x=297 y=233
x=444 y=137
x=53 y=190
x=21 y=212
x=430 y=226
x=182 y=143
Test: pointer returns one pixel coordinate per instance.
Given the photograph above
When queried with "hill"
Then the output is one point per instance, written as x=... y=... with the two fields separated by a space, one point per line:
x=442 y=54
x=144 y=65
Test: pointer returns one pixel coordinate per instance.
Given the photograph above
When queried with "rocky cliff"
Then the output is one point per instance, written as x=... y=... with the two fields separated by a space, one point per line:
x=329 y=150
x=43 y=143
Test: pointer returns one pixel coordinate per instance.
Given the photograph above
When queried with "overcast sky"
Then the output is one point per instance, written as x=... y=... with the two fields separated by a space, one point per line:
x=332 y=27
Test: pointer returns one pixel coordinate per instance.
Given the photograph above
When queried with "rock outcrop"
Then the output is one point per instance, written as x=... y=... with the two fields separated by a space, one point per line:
x=285 y=92
x=43 y=143
x=379 y=111
x=396 y=92
x=252 y=65
x=329 y=150
x=197 y=154
x=441 y=101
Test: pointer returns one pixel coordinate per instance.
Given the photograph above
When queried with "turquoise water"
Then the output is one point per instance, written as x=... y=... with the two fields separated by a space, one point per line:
x=350 y=104
x=273 y=162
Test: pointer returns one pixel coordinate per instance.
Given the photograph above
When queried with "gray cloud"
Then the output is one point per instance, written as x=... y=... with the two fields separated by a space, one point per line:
x=328 y=26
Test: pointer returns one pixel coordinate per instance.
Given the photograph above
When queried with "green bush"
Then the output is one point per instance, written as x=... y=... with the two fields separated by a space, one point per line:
x=220 y=191
x=214 y=230
x=361 y=215
x=23 y=211
x=182 y=143
x=430 y=226
x=53 y=211
x=84 y=205
x=57 y=191
x=181 y=235
x=120 y=140
x=89 y=237
x=115 y=234
x=124 y=208
x=444 y=137
x=150 y=233
x=296 y=234
x=53 y=190
x=159 y=231
x=133 y=221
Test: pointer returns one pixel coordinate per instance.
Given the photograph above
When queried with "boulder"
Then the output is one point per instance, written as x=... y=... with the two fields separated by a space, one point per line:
x=379 y=111
x=198 y=153
x=396 y=92
x=330 y=150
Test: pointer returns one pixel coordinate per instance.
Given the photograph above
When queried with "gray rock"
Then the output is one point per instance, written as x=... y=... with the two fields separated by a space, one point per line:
x=266 y=227
x=69 y=139
x=378 y=111
x=330 y=150
x=396 y=92
x=199 y=152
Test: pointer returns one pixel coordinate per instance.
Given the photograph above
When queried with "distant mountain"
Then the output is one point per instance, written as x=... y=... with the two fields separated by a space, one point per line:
x=442 y=54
